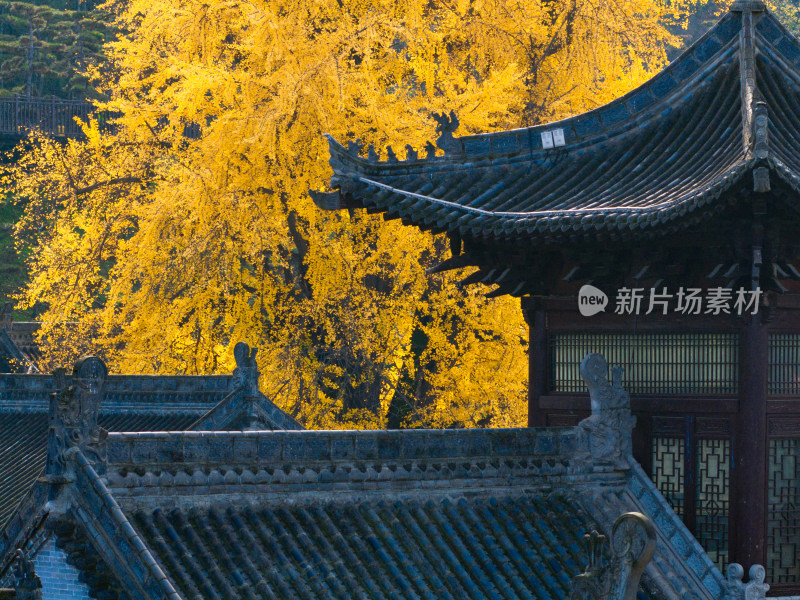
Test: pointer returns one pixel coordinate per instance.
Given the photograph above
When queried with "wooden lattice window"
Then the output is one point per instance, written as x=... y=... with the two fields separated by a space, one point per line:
x=669 y=470
x=783 y=512
x=691 y=467
x=656 y=363
x=783 y=377
x=712 y=505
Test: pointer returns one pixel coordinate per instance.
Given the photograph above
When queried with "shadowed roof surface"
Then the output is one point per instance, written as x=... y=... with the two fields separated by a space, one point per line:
x=468 y=514
x=522 y=547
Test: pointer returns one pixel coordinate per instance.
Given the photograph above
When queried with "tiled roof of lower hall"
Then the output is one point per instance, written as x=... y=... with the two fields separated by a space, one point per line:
x=658 y=158
x=476 y=548
x=469 y=514
x=132 y=403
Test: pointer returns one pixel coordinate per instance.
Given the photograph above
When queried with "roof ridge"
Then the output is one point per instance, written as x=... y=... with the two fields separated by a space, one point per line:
x=750 y=94
x=245 y=400
x=119 y=529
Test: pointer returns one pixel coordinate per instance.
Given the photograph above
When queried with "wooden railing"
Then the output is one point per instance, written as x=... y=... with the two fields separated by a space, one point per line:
x=54 y=116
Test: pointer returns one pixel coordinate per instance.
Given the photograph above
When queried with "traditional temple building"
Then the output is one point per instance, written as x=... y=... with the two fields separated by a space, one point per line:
x=661 y=230
x=670 y=211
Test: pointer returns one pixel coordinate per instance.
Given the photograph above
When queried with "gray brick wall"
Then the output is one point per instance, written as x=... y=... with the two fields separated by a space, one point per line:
x=59 y=579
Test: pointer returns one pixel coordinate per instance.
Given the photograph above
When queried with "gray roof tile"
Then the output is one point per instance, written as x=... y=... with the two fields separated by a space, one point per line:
x=522 y=547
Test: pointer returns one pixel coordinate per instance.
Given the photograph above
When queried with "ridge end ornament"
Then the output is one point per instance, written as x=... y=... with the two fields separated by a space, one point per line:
x=73 y=426
x=27 y=584
x=446 y=127
x=610 y=427
x=754 y=589
x=246 y=373
x=616 y=563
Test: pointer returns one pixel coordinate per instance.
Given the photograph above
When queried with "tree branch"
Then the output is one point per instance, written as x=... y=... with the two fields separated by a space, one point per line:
x=99 y=184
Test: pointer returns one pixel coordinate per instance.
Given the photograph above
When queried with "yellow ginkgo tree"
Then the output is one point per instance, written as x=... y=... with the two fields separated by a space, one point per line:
x=161 y=242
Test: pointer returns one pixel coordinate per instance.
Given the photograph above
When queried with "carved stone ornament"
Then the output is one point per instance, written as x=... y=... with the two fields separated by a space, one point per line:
x=614 y=569
x=27 y=585
x=246 y=372
x=354 y=147
x=755 y=589
x=73 y=418
x=611 y=424
x=445 y=127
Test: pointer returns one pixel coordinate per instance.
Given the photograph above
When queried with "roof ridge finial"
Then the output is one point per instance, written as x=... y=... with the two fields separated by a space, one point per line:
x=616 y=563
x=747 y=73
x=446 y=127
x=27 y=585
x=611 y=424
x=246 y=373
x=74 y=409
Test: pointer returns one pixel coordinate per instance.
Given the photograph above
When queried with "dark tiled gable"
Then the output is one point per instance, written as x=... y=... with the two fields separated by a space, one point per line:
x=19 y=352
x=22 y=446
x=130 y=403
x=133 y=403
x=656 y=160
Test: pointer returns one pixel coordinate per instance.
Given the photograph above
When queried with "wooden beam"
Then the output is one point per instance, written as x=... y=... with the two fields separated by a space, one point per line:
x=454 y=262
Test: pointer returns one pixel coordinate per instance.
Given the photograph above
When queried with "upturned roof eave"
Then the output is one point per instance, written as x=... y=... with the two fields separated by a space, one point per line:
x=731 y=46
x=634 y=109
x=510 y=226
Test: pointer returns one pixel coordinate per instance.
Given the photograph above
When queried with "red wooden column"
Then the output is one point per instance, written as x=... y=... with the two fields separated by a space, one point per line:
x=748 y=526
x=536 y=318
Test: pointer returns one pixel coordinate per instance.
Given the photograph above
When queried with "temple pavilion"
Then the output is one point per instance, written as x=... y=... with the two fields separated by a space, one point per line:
x=680 y=203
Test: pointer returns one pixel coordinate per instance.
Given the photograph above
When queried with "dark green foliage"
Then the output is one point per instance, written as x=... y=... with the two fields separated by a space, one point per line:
x=45 y=47
x=12 y=266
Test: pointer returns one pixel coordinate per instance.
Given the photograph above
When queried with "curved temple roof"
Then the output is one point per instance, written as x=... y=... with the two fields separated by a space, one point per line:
x=725 y=113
